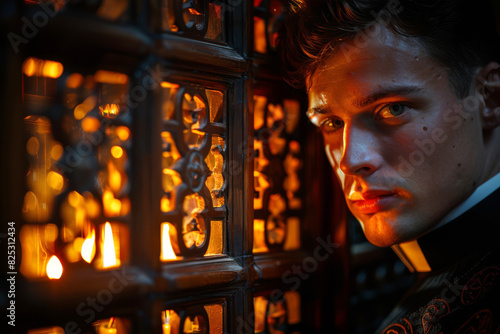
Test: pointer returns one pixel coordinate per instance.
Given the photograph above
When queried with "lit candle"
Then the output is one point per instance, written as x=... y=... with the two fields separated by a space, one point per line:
x=166 y=329
x=107 y=328
x=109 y=256
x=167 y=251
x=54 y=268
x=88 y=248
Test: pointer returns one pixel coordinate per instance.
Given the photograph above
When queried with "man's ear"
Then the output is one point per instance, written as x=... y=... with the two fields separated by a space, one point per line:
x=488 y=83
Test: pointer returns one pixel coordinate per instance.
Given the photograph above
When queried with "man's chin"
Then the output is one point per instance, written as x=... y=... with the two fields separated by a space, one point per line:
x=379 y=229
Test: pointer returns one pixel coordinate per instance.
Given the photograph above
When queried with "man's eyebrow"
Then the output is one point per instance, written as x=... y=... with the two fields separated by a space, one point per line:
x=386 y=92
x=321 y=110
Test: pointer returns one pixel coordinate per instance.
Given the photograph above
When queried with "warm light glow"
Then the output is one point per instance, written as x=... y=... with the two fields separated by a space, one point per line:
x=170 y=322
x=74 y=199
x=56 y=151
x=51 y=232
x=107 y=326
x=115 y=206
x=117 y=152
x=166 y=84
x=33 y=145
x=123 y=133
x=109 y=258
x=88 y=248
x=47 y=330
x=92 y=208
x=166 y=204
x=90 y=124
x=115 y=178
x=167 y=252
x=110 y=110
x=52 y=69
x=55 y=181
x=54 y=268
x=110 y=77
x=80 y=112
x=112 y=205
x=75 y=80
x=46 y=68
x=29 y=67
x=259 y=238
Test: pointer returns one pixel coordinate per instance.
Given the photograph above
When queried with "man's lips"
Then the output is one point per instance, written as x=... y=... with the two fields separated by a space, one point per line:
x=372 y=201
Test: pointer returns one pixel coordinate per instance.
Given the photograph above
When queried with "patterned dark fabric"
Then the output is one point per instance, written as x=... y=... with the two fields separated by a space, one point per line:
x=462 y=292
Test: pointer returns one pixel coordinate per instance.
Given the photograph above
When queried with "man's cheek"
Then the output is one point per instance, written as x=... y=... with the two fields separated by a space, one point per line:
x=334 y=159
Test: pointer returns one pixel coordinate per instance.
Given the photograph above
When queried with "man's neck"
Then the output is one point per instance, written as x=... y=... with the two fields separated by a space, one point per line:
x=481 y=192
x=411 y=253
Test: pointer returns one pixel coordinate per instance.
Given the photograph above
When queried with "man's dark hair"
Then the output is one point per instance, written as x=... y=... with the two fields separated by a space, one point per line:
x=459 y=34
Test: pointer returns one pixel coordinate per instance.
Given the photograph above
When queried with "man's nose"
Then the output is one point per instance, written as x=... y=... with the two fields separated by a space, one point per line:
x=360 y=154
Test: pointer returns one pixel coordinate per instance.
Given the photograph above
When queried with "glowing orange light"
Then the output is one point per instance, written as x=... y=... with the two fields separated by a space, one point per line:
x=55 y=180
x=115 y=178
x=29 y=67
x=116 y=206
x=117 y=152
x=88 y=248
x=90 y=124
x=107 y=327
x=80 y=112
x=52 y=69
x=110 y=77
x=56 y=151
x=259 y=238
x=75 y=199
x=166 y=322
x=166 y=84
x=110 y=110
x=167 y=252
x=75 y=80
x=123 y=133
x=109 y=257
x=46 y=68
x=112 y=205
x=166 y=206
x=54 y=268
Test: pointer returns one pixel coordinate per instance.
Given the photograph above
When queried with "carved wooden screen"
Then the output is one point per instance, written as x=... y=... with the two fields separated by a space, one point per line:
x=159 y=188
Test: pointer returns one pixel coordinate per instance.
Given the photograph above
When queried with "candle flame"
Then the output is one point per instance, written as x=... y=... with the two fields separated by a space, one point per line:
x=166 y=322
x=170 y=322
x=109 y=110
x=167 y=252
x=88 y=248
x=54 y=268
x=109 y=258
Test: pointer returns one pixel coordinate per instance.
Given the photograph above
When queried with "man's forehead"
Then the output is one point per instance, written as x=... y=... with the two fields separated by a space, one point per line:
x=357 y=56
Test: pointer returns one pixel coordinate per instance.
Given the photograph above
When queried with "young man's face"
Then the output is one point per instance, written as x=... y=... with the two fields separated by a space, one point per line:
x=405 y=150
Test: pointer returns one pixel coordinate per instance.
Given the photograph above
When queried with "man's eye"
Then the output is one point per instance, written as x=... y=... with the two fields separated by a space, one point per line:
x=392 y=110
x=332 y=124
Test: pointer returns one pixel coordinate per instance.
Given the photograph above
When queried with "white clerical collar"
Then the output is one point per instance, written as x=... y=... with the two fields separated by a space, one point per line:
x=477 y=196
